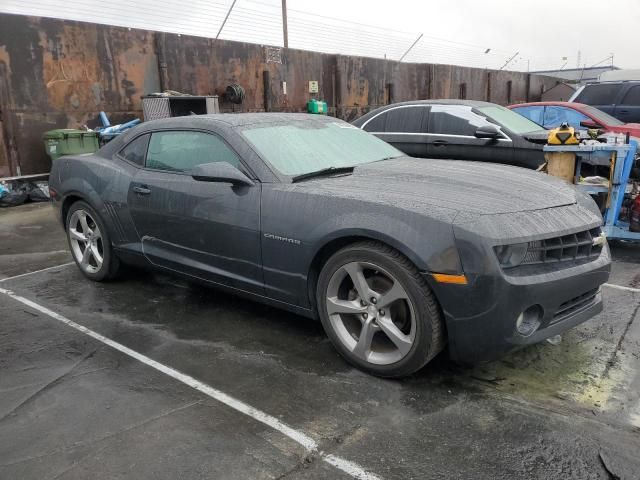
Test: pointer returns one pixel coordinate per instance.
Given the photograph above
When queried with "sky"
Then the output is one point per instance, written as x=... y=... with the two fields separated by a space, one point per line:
x=543 y=31
x=516 y=35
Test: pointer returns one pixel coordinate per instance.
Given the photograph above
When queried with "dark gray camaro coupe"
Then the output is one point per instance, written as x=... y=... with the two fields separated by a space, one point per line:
x=398 y=257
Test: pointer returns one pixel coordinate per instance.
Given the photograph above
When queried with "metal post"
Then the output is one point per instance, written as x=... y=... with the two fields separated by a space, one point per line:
x=509 y=61
x=225 y=20
x=7 y=124
x=163 y=71
x=409 y=49
x=285 y=30
x=266 y=85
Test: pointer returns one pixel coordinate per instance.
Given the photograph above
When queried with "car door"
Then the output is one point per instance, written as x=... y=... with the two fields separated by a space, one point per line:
x=209 y=230
x=628 y=110
x=452 y=131
x=403 y=127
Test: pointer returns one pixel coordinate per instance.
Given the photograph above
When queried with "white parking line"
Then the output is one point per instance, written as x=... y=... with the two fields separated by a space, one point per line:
x=37 y=271
x=348 y=467
x=620 y=287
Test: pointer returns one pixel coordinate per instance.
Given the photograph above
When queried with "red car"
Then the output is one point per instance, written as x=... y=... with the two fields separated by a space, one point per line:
x=577 y=115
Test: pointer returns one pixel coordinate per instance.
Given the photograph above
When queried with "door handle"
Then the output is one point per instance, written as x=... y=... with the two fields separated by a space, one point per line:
x=624 y=111
x=141 y=190
x=440 y=143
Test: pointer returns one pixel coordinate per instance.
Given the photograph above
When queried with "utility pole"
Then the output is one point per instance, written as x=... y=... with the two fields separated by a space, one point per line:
x=225 y=20
x=409 y=49
x=285 y=30
x=509 y=61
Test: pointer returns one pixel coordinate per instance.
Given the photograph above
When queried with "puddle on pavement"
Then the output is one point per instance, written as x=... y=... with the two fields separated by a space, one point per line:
x=579 y=372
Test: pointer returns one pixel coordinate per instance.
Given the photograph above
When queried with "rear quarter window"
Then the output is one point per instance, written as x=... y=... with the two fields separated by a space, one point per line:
x=136 y=150
x=402 y=120
x=632 y=97
x=600 y=94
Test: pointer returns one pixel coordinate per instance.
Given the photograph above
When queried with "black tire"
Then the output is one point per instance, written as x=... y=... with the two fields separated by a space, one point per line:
x=429 y=331
x=110 y=263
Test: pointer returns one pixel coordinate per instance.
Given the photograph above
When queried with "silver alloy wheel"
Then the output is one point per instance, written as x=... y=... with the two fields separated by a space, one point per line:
x=371 y=313
x=86 y=241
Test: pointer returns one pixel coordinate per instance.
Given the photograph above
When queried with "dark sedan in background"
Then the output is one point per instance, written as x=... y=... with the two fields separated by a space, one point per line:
x=619 y=99
x=458 y=129
x=397 y=256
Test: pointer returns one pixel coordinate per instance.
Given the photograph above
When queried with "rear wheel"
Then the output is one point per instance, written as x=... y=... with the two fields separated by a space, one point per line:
x=89 y=243
x=378 y=310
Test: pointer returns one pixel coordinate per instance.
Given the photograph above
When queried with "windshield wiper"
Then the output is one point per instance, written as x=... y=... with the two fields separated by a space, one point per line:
x=323 y=171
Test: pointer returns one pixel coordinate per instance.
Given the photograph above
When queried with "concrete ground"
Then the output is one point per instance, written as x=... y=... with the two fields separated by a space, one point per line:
x=72 y=406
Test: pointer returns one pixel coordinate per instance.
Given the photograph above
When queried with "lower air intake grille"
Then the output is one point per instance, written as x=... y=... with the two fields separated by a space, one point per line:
x=575 y=304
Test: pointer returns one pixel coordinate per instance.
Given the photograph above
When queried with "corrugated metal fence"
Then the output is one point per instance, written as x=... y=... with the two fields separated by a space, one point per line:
x=58 y=74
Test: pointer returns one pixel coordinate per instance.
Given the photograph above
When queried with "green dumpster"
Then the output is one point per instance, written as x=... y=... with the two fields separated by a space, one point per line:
x=69 y=141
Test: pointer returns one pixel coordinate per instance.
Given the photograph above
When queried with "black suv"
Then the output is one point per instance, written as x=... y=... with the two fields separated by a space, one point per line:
x=458 y=129
x=619 y=99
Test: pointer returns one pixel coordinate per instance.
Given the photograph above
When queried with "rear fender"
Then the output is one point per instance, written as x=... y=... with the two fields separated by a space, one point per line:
x=81 y=189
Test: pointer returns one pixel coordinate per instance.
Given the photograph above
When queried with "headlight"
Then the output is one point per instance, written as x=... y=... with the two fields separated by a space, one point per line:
x=511 y=255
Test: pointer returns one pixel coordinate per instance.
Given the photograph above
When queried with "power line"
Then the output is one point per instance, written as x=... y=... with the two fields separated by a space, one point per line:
x=261 y=22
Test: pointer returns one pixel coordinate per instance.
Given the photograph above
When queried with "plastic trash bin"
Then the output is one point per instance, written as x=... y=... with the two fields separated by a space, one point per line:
x=69 y=141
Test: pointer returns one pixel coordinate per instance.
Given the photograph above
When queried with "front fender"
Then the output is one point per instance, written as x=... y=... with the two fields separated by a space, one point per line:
x=428 y=244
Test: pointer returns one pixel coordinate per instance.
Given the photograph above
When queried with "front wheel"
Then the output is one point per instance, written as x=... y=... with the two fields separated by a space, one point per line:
x=89 y=243
x=378 y=311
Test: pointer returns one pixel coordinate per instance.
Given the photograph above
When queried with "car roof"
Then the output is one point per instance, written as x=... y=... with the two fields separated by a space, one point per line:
x=206 y=122
x=574 y=105
x=609 y=82
x=236 y=119
x=445 y=101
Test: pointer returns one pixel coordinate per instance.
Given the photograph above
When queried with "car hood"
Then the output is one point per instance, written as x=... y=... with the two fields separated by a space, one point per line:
x=474 y=187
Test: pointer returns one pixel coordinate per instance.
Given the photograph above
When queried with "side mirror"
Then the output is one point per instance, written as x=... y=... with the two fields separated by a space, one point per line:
x=222 y=172
x=590 y=124
x=487 y=131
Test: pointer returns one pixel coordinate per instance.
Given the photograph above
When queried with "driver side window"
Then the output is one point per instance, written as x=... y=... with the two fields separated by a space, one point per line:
x=181 y=151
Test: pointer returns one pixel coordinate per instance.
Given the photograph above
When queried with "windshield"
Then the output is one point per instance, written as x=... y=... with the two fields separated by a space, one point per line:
x=601 y=117
x=303 y=147
x=511 y=120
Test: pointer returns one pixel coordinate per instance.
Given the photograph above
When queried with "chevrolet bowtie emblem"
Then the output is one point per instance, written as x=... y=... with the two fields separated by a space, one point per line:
x=599 y=240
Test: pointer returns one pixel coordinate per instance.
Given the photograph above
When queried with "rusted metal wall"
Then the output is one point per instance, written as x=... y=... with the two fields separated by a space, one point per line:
x=364 y=84
x=59 y=74
x=202 y=66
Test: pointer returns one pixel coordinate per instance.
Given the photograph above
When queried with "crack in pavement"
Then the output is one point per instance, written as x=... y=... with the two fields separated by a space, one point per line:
x=49 y=384
x=614 y=356
x=104 y=437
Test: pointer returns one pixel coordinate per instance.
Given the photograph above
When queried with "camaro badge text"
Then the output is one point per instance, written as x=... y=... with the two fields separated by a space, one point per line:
x=282 y=239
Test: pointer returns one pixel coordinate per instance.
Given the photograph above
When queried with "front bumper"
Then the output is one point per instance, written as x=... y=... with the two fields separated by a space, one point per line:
x=481 y=316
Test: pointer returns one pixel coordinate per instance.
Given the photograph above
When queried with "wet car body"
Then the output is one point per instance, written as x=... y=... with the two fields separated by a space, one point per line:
x=268 y=238
x=450 y=129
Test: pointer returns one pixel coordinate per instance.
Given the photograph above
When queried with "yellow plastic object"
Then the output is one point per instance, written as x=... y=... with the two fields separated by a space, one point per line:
x=563 y=135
